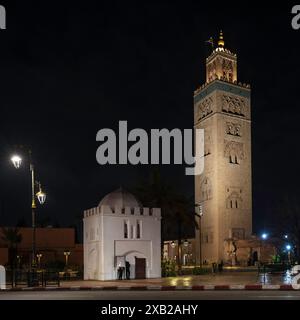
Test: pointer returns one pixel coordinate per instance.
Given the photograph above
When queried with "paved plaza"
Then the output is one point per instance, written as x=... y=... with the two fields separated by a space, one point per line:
x=224 y=278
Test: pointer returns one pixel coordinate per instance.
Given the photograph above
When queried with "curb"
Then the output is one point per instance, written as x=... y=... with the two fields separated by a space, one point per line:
x=255 y=287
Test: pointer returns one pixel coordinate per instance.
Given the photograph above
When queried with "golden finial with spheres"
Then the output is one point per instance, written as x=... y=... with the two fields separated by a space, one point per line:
x=221 y=42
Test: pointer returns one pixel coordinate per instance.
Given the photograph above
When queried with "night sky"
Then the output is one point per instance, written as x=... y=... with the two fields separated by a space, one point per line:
x=68 y=71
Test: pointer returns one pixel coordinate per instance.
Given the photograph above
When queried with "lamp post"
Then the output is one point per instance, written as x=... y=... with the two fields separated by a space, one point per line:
x=173 y=245
x=186 y=245
x=41 y=196
x=199 y=214
x=67 y=254
x=288 y=248
x=264 y=236
x=39 y=256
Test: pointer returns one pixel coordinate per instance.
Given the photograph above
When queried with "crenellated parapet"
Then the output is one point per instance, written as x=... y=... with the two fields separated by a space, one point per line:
x=123 y=211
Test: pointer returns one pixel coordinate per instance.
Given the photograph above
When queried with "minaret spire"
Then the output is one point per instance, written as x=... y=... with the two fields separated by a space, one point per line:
x=221 y=42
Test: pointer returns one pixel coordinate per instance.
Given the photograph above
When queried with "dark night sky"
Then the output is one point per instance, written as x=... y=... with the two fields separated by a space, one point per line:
x=68 y=71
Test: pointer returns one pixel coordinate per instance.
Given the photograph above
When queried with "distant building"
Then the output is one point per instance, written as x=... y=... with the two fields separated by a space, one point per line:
x=50 y=242
x=120 y=229
x=247 y=252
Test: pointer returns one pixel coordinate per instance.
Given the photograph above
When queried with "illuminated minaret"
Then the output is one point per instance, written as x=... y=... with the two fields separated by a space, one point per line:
x=222 y=109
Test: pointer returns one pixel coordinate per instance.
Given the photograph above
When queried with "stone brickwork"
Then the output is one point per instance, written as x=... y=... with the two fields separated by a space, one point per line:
x=222 y=108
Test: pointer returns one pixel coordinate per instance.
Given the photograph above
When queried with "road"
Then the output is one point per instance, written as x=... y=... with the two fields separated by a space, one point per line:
x=152 y=295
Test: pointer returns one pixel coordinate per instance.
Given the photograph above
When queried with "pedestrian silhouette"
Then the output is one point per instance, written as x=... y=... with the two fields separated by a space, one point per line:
x=127 y=270
x=120 y=272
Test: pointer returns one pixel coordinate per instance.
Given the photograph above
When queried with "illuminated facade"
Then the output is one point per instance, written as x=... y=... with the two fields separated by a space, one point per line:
x=120 y=229
x=222 y=109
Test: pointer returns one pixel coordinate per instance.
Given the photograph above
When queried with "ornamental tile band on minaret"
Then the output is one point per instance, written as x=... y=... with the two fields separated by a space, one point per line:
x=222 y=109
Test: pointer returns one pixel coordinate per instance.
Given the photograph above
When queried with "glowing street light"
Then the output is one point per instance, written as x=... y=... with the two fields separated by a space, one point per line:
x=185 y=243
x=67 y=254
x=16 y=160
x=41 y=195
x=264 y=236
x=39 y=256
x=286 y=236
x=288 y=248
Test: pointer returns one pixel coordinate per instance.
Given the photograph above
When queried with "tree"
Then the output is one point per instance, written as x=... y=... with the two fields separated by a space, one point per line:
x=155 y=193
x=12 y=237
x=175 y=207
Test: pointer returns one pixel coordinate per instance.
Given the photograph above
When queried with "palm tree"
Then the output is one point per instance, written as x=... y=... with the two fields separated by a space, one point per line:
x=155 y=193
x=12 y=237
x=174 y=208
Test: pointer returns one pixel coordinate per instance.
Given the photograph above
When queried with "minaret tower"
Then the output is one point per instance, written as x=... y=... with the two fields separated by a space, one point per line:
x=222 y=109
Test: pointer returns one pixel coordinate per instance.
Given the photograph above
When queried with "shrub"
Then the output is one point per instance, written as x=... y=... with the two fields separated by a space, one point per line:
x=56 y=265
x=199 y=271
x=168 y=268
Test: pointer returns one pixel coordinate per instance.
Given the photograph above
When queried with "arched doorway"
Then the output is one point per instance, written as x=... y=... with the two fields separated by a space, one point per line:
x=138 y=264
x=140 y=268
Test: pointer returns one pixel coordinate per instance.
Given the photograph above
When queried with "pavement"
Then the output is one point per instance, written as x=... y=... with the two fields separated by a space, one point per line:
x=225 y=278
x=187 y=295
x=219 y=281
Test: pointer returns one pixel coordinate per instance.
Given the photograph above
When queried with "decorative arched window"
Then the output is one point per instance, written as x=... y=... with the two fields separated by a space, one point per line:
x=131 y=232
x=138 y=229
x=125 y=230
x=234 y=151
x=234 y=201
x=206 y=189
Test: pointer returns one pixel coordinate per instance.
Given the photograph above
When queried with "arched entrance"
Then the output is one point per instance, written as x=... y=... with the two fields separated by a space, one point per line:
x=138 y=264
x=140 y=268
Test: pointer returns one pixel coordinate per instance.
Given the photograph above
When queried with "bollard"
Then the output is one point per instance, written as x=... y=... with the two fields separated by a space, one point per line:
x=2 y=278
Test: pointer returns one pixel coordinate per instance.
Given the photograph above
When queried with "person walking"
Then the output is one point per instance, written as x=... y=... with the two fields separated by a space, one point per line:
x=127 y=264
x=120 y=272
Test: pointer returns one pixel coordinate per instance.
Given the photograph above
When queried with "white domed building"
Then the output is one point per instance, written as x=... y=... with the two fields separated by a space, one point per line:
x=120 y=229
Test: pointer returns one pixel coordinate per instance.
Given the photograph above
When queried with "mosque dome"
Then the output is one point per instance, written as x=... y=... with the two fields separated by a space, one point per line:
x=120 y=198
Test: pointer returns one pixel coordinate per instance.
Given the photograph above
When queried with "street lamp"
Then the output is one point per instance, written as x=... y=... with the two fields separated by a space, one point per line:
x=288 y=248
x=39 y=256
x=17 y=161
x=40 y=195
x=67 y=254
x=199 y=214
x=264 y=236
x=173 y=245
x=186 y=244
